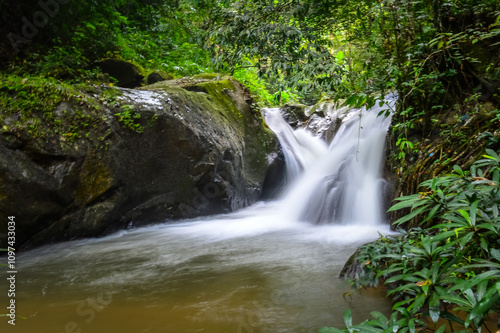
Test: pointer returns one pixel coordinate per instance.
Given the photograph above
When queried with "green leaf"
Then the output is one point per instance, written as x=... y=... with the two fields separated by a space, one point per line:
x=483 y=307
x=419 y=301
x=441 y=329
x=465 y=215
x=391 y=269
x=404 y=204
x=90 y=26
x=488 y=226
x=348 y=318
x=453 y=299
x=432 y=213
x=443 y=235
x=367 y=326
x=433 y=185
x=380 y=317
x=351 y=100
x=407 y=197
x=411 y=215
x=340 y=56
x=396 y=278
x=495 y=253
x=411 y=325
x=491 y=154
x=466 y=239
x=467 y=284
x=434 y=313
x=399 y=304
x=451 y=317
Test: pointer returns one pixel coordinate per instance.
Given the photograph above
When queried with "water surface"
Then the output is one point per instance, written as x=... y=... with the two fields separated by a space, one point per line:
x=243 y=272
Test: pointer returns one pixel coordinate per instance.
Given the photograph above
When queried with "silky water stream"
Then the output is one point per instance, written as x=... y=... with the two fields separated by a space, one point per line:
x=272 y=267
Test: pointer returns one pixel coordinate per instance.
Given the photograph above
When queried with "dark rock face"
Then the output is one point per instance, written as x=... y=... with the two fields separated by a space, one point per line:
x=352 y=268
x=275 y=179
x=191 y=154
x=158 y=76
x=127 y=74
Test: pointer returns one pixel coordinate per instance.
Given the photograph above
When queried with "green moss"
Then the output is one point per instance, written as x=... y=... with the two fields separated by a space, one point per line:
x=224 y=101
x=96 y=179
x=28 y=106
x=207 y=76
x=213 y=96
x=219 y=91
x=47 y=110
x=130 y=118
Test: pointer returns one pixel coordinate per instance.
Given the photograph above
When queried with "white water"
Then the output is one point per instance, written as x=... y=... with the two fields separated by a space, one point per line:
x=263 y=269
x=336 y=183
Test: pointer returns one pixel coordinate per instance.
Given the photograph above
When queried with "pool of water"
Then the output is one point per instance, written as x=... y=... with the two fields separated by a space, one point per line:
x=244 y=272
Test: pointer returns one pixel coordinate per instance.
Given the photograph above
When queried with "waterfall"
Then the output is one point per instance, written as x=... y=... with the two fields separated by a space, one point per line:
x=338 y=182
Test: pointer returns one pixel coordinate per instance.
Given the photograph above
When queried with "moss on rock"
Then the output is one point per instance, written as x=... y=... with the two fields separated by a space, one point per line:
x=88 y=175
x=95 y=179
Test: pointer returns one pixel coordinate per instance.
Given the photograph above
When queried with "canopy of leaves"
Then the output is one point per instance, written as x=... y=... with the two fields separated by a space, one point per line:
x=426 y=50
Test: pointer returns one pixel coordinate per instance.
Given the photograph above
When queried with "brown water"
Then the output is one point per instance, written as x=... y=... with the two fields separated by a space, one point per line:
x=244 y=272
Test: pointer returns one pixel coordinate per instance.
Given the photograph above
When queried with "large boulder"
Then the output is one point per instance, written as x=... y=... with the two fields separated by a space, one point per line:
x=126 y=73
x=176 y=149
x=158 y=76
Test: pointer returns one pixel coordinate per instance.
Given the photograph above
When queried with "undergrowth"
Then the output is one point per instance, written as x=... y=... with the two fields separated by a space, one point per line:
x=448 y=268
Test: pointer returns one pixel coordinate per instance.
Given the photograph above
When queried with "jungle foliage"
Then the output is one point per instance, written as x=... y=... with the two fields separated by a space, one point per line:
x=442 y=58
x=64 y=40
x=68 y=37
x=439 y=56
x=448 y=268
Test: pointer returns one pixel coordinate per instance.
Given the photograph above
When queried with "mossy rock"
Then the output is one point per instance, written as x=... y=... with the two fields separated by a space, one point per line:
x=294 y=114
x=202 y=150
x=207 y=76
x=128 y=74
x=158 y=76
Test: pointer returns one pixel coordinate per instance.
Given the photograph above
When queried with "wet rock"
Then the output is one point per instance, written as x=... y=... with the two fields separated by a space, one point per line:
x=352 y=268
x=275 y=177
x=294 y=114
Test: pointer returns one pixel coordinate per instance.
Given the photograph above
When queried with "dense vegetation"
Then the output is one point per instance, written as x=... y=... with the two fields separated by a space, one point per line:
x=65 y=41
x=442 y=58
x=448 y=268
x=154 y=34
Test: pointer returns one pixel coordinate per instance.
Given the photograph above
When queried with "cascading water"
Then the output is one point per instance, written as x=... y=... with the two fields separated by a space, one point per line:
x=258 y=270
x=339 y=183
